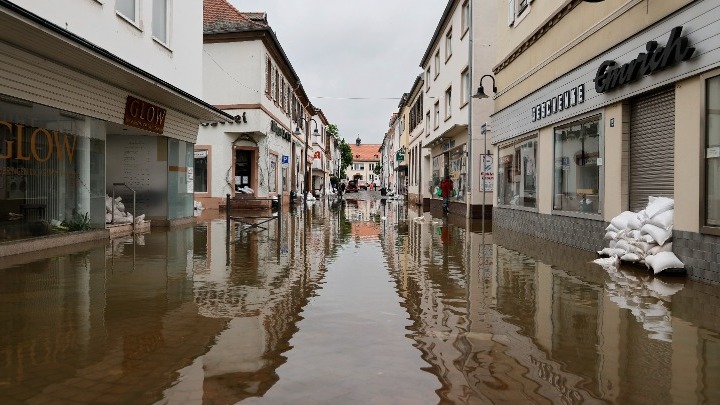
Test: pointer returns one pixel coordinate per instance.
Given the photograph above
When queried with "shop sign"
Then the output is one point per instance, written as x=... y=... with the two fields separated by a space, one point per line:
x=610 y=75
x=567 y=99
x=400 y=156
x=143 y=115
x=487 y=175
x=280 y=131
x=316 y=155
x=199 y=154
x=42 y=146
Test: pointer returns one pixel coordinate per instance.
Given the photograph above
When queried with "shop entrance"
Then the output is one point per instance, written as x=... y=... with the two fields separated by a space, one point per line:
x=243 y=168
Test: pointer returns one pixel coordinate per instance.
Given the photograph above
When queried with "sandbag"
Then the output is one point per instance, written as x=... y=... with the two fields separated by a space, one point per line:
x=663 y=261
x=658 y=234
x=658 y=205
x=662 y=220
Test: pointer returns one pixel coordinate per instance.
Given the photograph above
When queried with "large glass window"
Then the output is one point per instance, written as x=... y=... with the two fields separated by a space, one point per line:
x=517 y=174
x=576 y=175
x=180 y=189
x=52 y=170
x=712 y=152
x=272 y=174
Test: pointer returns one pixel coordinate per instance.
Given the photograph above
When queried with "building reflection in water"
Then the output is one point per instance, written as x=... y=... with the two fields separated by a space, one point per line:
x=195 y=315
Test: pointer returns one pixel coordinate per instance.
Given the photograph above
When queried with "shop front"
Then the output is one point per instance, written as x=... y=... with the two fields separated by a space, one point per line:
x=615 y=131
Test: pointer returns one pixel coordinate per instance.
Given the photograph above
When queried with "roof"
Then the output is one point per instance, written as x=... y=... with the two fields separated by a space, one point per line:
x=367 y=152
x=220 y=16
x=443 y=21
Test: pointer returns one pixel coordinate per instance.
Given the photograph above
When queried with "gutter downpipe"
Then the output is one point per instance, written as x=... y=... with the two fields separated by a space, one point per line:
x=469 y=157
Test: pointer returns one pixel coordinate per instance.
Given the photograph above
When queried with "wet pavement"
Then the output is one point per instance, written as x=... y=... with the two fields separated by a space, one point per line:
x=360 y=301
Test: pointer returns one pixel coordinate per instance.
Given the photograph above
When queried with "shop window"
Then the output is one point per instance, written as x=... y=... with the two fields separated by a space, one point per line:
x=272 y=174
x=576 y=173
x=201 y=172
x=712 y=152
x=517 y=174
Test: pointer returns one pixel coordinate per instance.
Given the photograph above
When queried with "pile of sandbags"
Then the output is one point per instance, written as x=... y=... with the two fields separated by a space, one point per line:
x=115 y=212
x=644 y=237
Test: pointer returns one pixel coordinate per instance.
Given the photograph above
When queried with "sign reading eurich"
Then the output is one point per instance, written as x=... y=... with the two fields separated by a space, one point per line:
x=143 y=115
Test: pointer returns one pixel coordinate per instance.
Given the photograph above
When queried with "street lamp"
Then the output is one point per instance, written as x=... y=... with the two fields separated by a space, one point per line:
x=307 y=141
x=481 y=94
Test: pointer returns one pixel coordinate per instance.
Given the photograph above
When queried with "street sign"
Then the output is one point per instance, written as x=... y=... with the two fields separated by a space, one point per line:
x=285 y=159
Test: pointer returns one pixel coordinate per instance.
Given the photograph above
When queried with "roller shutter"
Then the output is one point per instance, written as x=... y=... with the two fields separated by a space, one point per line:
x=652 y=147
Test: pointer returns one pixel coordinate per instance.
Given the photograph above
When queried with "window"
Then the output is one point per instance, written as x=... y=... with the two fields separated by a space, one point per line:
x=437 y=63
x=576 y=178
x=272 y=174
x=128 y=9
x=427 y=123
x=268 y=75
x=465 y=88
x=160 y=20
x=448 y=103
x=517 y=174
x=427 y=79
x=276 y=91
x=465 y=18
x=516 y=8
x=273 y=83
x=448 y=45
x=201 y=171
x=436 y=121
x=712 y=152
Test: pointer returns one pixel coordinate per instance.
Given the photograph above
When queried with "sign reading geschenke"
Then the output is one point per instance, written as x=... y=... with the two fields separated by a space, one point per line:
x=568 y=98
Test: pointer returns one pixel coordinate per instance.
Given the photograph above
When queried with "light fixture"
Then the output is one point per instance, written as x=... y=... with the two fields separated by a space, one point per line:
x=593 y=1
x=481 y=91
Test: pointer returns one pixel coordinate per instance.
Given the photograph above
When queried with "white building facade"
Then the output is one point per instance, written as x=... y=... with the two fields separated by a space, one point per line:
x=96 y=95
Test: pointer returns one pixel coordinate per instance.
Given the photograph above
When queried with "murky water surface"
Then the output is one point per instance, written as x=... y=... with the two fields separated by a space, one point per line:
x=360 y=302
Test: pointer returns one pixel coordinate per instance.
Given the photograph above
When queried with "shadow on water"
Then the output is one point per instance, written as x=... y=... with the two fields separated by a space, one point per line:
x=353 y=300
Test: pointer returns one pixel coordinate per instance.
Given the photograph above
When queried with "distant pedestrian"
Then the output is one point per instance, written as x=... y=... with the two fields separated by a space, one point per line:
x=446 y=188
x=341 y=189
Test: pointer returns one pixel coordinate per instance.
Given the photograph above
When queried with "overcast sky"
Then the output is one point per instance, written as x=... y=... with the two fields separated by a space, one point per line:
x=344 y=49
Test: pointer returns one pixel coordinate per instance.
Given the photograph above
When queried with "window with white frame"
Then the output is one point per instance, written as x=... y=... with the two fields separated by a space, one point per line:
x=436 y=121
x=465 y=18
x=448 y=103
x=427 y=123
x=427 y=78
x=516 y=8
x=128 y=9
x=448 y=44
x=268 y=75
x=160 y=21
x=437 y=63
x=465 y=88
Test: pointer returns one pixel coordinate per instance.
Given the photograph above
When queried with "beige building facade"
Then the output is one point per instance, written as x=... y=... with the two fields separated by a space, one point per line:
x=601 y=106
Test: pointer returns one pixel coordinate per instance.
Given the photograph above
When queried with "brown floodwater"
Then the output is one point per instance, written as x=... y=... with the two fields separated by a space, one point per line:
x=361 y=301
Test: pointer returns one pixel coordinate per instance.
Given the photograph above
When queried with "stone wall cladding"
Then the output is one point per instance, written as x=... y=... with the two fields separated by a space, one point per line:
x=700 y=253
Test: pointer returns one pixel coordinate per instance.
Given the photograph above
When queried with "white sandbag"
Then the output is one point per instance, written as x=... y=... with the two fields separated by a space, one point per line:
x=660 y=248
x=635 y=222
x=635 y=234
x=612 y=244
x=643 y=246
x=610 y=235
x=622 y=244
x=658 y=205
x=611 y=227
x=108 y=217
x=647 y=238
x=662 y=220
x=663 y=261
x=621 y=221
x=140 y=219
x=630 y=257
x=658 y=234
x=606 y=252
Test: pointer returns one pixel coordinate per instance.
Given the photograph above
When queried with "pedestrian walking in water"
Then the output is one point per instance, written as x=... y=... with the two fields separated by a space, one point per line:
x=446 y=188
x=341 y=189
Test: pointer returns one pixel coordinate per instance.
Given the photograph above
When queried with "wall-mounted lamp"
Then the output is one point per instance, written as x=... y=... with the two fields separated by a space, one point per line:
x=307 y=141
x=481 y=91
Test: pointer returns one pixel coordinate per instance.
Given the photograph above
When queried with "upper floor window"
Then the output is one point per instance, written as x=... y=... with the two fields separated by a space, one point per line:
x=465 y=18
x=427 y=123
x=128 y=9
x=268 y=74
x=437 y=63
x=516 y=8
x=465 y=88
x=448 y=45
x=160 y=21
x=427 y=78
x=436 y=120
x=448 y=103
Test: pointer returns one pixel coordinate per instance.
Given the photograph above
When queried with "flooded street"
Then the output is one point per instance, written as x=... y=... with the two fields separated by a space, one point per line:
x=364 y=301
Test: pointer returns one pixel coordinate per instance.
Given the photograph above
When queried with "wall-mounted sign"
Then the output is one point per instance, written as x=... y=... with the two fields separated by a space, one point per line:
x=143 y=115
x=316 y=155
x=610 y=75
x=280 y=131
x=400 y=156
x=567 y=99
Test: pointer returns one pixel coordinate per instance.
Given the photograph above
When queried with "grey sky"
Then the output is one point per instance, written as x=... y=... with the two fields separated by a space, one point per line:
x=353 y=48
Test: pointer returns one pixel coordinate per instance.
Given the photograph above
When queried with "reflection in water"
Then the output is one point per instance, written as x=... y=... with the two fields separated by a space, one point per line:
x=350 y=301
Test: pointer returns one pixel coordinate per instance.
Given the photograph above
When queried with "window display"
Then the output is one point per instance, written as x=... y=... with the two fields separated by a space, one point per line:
x=577 y=166
x=517 y=176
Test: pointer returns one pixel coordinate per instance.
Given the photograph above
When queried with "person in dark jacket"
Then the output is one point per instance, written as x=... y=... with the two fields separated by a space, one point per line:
x=446 y=187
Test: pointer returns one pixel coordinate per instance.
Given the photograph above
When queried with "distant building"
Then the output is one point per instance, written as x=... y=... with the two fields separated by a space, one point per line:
x=365 y=158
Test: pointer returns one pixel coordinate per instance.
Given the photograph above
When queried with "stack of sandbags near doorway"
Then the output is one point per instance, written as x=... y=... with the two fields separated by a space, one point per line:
x=115 y=213
x=644 y=237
